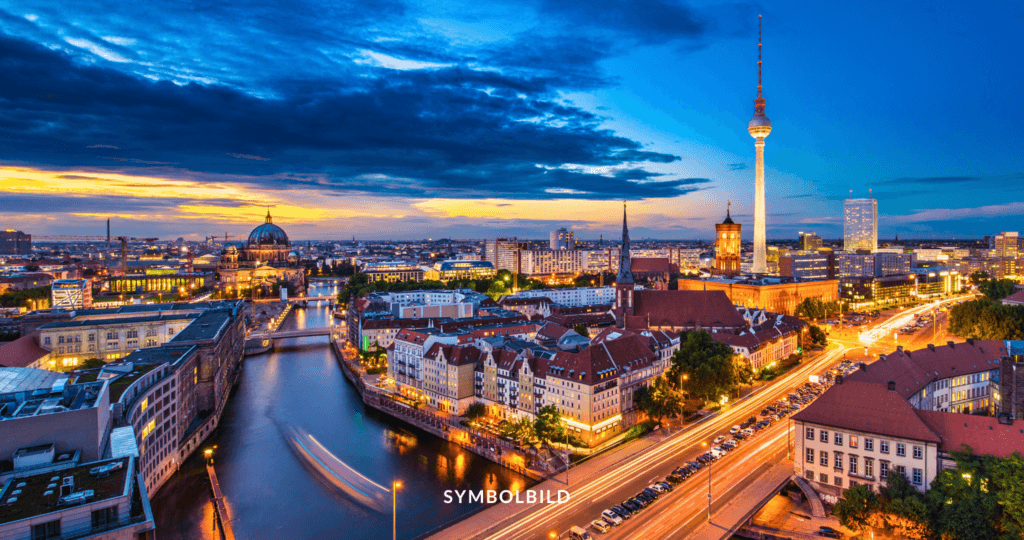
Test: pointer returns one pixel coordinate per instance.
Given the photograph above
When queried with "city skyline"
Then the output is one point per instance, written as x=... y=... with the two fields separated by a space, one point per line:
x=499 y=129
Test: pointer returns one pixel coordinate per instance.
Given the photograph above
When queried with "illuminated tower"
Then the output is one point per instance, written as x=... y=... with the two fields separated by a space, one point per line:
x=727 y=246
x=624 y=281
x=759 y=128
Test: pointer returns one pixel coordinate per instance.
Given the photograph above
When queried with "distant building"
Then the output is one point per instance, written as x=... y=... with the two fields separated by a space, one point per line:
x=547 y=262
x=890 y=264
x=15 y=243
x=810 y=242
x=156 y=281
x=264 y=260
x=71 y=294
x=727 y=246
x=806 y=265
x=777 y=295
x=577 y=296
x=862 y=291
x=937 y=281
x=854 y=264
x=503 y=253
x=1007 y=244
x=562 y=239
x=446 y=271
x=392 y=271
x=860 y=224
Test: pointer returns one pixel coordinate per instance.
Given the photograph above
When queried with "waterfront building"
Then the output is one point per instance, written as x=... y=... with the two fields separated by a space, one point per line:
x=727 y=246
x=860 y=224
x=101 y=500
x=562 y=239
x=759 y=127
x=446 y=271
x=810 y=242
x=71 y=294
x=448 y=377
x=14 y=242
x=392 y=271
x=775 y=294
x=166 y=281
x=264 y=260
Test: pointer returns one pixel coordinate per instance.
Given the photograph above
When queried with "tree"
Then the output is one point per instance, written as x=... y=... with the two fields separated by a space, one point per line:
x=521 y=430
x=581 y=329
x=981 y=498
x=548 y=426
x=856 y=507
x=476 y=410
x=817 y=336
x=997 y=289
x=703 y=367
x=984 y=319
x=496 y=289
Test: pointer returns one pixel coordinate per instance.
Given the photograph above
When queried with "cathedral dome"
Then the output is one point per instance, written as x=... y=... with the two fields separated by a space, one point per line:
x=268 y=235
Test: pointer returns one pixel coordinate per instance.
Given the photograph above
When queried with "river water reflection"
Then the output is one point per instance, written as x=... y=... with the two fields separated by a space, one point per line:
x=270 y=495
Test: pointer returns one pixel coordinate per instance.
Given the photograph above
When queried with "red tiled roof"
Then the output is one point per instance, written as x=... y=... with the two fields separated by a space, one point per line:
x=867 y=407
x=22 y=352
x=913 y=370
x=984 y=434
x=613 y=357
x=1015 y=298
x=552 y=330
x=651 y=265
x=687 y=309
x=589 y=319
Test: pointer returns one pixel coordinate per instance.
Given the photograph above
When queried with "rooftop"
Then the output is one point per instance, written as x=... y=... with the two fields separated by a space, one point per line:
x=41 y=492
x=122 y=383
x=984 y=434
x=868 y=408
x=207 y=326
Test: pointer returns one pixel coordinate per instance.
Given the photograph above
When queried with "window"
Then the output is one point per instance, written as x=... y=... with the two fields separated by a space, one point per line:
x=823 y=459
x=901 y=449
x=917 y=477
x=918 y=452
x=853 y=441
x=901 y=469
x=869 y=467
x=883 y=447
x=810 y=455
x=809 y=475
x=144 y=405
x=149 y=428
x=823 y=478
x=46 y=340
x=103 y=517
x=809 y=433
x=92 y=337
x=838 y=480
x=838 y=460
x=883 y=470
x=45 y=531
x=839 y=439
x=853 y=464
x=824 y=436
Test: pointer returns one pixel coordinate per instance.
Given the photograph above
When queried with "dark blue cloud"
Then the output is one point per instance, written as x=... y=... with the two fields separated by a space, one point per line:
x=446 y=131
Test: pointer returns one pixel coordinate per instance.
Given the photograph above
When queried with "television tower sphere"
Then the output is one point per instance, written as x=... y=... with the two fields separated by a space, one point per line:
x=760 y=126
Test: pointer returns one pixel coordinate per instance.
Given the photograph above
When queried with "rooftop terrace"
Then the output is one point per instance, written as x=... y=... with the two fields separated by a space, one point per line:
x=39 y=494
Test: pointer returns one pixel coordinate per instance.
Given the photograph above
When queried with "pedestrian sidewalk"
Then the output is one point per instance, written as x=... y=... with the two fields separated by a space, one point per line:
x=742 y=505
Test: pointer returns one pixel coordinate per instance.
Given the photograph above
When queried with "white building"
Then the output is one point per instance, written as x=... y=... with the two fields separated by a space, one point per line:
x=860 y=224
x=579 y=296
x=562 y=239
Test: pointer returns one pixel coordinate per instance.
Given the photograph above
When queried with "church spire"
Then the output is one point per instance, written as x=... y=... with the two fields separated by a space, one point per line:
x=268 y=220
x=625 y=262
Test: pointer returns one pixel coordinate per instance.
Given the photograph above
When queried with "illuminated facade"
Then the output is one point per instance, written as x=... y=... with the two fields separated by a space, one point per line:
x=727 y=246
x=392 y=272
x=545 y=262
x=71 y=294
x=170 y=283
x=777 y=295
x=860 y=224
x=446 y=271
x=264 y=260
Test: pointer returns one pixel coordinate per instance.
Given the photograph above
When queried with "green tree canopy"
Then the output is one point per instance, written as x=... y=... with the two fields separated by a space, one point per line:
x=997 y=289
x=548 y=426
x=856 y=507
x=985 y=319
x=704 y=367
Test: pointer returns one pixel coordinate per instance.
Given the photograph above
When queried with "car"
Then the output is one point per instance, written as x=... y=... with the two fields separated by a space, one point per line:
x=633 y=507
x=611 y=517
x=639 y=503
x=658 y=488
x=764 y=412
x=720 y=438
x=652 y=493
x=675 y=478
x=829 y=532
x=734 y=430
x=742 y=435
x=577 y=533
x=665 y=485
x=622 y=512
x=752 y=419
x=600 y=526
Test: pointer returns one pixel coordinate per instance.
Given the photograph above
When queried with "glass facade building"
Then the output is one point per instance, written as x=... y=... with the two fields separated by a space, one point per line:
x=860 y=224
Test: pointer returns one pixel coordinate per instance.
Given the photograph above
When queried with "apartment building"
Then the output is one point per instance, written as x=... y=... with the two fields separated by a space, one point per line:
x=448 y=377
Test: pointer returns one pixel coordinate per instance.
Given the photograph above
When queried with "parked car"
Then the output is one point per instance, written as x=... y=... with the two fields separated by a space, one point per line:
x=611 y=517
x=622 y=511
x=829 y=532
x=577 y=533
x=633 y=507
x=720 y=438
x=657 y=488
x=675 y=478
x=600 y=526
x=734 y=430
x=665 y=485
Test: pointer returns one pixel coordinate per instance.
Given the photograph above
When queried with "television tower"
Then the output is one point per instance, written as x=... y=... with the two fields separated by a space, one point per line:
x=759 y=128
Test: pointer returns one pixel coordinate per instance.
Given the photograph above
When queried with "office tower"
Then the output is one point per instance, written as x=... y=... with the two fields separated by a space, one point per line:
x=562 y=239
x=759 y=128
x=15 y=242
x=1007 y=244
x=860 y=224
x=810 y=242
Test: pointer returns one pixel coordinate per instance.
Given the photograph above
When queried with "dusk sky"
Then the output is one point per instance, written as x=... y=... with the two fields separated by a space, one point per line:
x=391 y=119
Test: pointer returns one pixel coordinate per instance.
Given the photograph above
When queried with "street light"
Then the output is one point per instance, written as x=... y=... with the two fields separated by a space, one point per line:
x=208 y=453
x=394 y=509
x=705 y=445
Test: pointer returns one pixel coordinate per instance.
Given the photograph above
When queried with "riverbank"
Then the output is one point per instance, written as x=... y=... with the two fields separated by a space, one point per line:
x=269 y=319
x=447 y=428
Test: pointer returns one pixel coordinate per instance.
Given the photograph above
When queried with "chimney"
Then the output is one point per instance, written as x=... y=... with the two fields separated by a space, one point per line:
x=881 y=357
x=951 y=344
x=1005 y=418
x=899 y=349
x=863 y=366
x=970 y=341
x=839 y=379
x=892 y=386
x=931 y=347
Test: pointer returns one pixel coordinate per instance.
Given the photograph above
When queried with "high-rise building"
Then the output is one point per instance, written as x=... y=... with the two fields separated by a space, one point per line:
x=727 y=245
x=14 y=242
x=1007 y=244
x=503 y=253
x=544 y=262
x=562 y=239
x=860 y=224
x=759 y=127
x=810 y=242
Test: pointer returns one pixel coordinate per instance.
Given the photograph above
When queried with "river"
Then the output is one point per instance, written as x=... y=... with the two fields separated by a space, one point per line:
x=270 y=495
